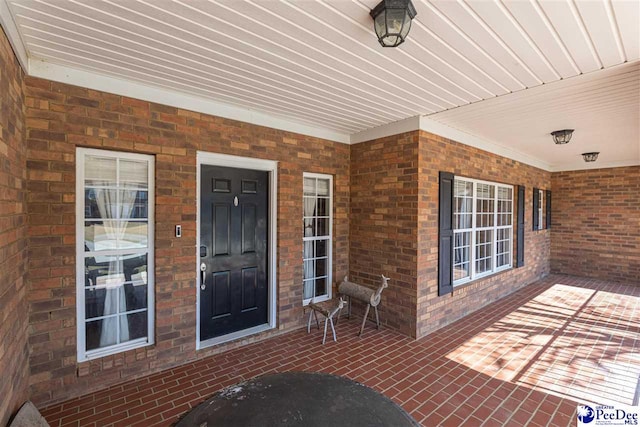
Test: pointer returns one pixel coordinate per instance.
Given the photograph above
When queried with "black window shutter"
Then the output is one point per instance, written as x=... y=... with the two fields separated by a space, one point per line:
x=547 y=195
x=520 y=237
x=445 y=251
x=536 y=200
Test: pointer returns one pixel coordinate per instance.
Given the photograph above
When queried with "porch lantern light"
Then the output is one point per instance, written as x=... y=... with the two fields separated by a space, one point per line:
x=562 y=136
x=392 y=21
x=590 y=157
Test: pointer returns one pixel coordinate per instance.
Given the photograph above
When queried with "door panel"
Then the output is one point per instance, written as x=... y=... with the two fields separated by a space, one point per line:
x=249 y=228
x=222 y=230
x=221 y=295
x=249 y=288
x=233 y=238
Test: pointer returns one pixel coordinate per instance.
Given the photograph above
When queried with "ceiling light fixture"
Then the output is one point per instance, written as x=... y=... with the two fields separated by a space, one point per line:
x=590 y=157
x=562 y=136
x=392 y=21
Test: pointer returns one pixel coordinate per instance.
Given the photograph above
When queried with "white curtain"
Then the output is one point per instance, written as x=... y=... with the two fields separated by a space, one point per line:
x=309 y=267
x=113 y=282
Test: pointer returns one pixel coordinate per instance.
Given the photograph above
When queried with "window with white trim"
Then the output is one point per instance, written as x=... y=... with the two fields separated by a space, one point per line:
x=114 y=229
x=317 y=236
x=540 y=224
x=483 y=228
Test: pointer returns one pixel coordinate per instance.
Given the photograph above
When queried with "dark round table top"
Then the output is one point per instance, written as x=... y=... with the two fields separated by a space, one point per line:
x=297 y=399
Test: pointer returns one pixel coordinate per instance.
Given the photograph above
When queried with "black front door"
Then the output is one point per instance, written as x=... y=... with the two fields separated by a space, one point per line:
x=233 y=252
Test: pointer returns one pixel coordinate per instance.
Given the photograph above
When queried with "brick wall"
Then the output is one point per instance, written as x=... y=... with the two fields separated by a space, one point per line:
x=441 y=154
x=13 y=236
x=384 y=214
x=63 y=117
x=596 y=223
x=394 y=227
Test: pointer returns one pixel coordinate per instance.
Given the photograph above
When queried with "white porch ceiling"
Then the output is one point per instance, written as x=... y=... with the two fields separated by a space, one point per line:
x=502 y=72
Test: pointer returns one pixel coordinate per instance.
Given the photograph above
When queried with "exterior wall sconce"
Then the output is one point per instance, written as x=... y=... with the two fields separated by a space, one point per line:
x=562 y=136
x=590 y=157
x=392 y=21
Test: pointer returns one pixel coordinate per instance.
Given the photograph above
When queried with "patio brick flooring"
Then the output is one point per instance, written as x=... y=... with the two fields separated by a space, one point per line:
x=524 y=360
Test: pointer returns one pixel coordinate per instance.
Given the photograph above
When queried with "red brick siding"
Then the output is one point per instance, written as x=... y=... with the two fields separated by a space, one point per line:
x=441 y=154
x=394 y=227
x=596 y=223
x=63 y=117
x=14 y=350
x=384 y=215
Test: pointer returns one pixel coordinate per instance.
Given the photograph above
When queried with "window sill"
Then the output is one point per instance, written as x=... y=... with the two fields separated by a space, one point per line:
x=108 y=351
x=317 y=299
x=459 y=288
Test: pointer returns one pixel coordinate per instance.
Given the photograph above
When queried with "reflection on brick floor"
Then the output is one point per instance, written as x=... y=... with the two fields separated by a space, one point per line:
x=524 y=360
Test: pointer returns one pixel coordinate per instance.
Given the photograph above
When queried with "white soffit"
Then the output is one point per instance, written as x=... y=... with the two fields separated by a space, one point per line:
x=315 y=67
x=603 y=107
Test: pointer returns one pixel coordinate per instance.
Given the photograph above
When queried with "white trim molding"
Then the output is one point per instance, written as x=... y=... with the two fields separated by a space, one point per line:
x=132 y=89
x=271 y=166
x=395 y=128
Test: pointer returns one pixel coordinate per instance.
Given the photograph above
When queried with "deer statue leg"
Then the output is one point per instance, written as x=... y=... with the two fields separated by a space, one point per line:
x=324 y=337
x=333 y=329
x=364 y=319
x=377 y=318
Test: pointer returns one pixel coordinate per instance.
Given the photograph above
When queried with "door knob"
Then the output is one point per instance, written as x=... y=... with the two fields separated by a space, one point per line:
x=203 y=275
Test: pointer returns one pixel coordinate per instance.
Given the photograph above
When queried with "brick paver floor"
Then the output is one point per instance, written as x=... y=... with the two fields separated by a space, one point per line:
x=527 y=359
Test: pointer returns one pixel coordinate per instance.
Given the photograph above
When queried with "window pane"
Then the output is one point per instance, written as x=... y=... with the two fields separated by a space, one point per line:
x=100 y=203
x=97 y=335
x=461 y=255
x=323 y=187
x=100 y=302
x=309 y=206
x=133 y=235
x=99 y=171
x=323 y=206
x=321 y=287
x=463 y=188
x=309 y=269
x=321 y=248
x=308 y=250
x=135 y=296
x=102 y=271
x=100 y=235
x=308 y=289
x=309 y=227
x=133 y=204
x=321 y=267
x=309 y=186
x=133 y=326
x=134 y=267
x=323 y=227
x=133 y=174
x=484 y=253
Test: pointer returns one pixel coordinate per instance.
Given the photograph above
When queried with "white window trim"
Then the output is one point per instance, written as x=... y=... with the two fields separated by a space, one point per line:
x=82 y=353
x=328 y=296
x=473 y=275
x=270 y=166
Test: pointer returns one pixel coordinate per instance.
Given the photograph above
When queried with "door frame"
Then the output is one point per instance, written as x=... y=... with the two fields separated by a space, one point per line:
x=270 y=166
